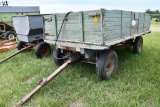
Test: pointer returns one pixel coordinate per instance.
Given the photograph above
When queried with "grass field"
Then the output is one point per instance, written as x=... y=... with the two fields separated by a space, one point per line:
x=135 y=84
x=153 y=22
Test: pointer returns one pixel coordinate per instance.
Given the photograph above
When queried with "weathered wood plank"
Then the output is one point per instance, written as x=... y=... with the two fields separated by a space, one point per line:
x=112 y=37
x=126 y=15
x=107 y=15
x=117 y=20
x=92 y=37
x=124 y=34
x=92 y=24
x=113 y=11
x=91 y=12
x=112 y=32
x=70 y=35
x=112 y=23
x=47 y=16
x=91 y=20
x=123 y=24
x=50 y=32
x=126 y=12
x=68 y=22
x=50 y=37
x=112 y=28
x=68 y=27
x=48 y=23
x=72 y=14
x=92 y=30
x=140 y=30
x=111 y=20
x=49 y=27
x=70 y=17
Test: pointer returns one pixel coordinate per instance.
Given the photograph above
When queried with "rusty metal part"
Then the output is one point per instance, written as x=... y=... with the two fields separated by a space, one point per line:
x=68 y=48
x=45 y=81
x=122 y=45
x=26 y=48
x=110 y=65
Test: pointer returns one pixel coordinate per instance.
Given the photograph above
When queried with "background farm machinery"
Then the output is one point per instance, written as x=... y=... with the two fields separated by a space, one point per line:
x=30 y=36
x=7 y=30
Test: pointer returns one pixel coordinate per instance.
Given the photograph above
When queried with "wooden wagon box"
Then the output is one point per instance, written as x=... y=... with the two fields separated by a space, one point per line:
x=97 y=29
x=94 y=34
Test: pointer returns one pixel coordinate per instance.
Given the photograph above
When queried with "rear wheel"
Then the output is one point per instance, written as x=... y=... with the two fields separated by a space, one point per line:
x=57 y=55
x=107 y=64
x=42 y=49
x=138 y=44
x=9 y=35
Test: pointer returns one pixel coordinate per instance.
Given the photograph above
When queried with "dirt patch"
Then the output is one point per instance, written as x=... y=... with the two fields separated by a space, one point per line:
x=155 y=28
x=29 y=80
x=77 y=103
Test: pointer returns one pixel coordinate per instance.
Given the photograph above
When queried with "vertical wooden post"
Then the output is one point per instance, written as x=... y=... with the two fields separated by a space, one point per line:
x=102 y=26
x=121 y=25
x=131 y=25
x=138 y=22
x=55 y=26
x=144 y=21
x=81 y=24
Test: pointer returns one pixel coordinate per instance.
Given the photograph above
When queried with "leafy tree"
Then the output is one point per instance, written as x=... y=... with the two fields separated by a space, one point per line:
x=157 y=12
x=148 y=11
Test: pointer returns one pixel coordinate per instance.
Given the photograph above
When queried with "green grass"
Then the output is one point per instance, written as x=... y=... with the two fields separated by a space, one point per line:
x=153 y=22
x=135 y=84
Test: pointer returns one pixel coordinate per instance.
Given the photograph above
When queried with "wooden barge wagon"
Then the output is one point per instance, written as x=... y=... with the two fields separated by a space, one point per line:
x=92 y=34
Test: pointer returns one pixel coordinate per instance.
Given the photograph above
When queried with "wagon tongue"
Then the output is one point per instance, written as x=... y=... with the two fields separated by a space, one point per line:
x=22 y=50
x=45 y=81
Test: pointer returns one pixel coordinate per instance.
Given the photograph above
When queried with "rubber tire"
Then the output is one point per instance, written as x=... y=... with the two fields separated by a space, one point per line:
x=57 y=53
x=136 y=45
x=102 y=64
x=20 y=45
x=40 y=47
x=6 y=35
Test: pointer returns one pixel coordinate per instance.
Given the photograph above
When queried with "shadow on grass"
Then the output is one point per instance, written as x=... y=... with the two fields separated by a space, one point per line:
x=85 y=70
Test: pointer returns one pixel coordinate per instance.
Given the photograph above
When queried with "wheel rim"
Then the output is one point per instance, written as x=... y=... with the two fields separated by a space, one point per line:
x=44 y=51
x=10 y=36
x=140 y=46
x=110 y=65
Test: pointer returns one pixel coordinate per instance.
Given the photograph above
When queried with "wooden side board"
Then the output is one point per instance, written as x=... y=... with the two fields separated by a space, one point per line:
x=81 y=27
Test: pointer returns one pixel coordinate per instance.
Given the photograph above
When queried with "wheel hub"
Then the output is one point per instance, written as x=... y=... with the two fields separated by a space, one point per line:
x=44 y=51
x=140 y=45
x=110 y=66
x=10 y=36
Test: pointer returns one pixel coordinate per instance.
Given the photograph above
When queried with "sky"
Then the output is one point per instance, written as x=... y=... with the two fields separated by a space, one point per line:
x=63 y=6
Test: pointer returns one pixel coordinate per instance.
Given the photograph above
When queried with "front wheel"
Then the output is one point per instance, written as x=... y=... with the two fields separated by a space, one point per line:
x=20 y=45
x=107 y=64
x=42 y=49
x=57 y=55
x=9 y=35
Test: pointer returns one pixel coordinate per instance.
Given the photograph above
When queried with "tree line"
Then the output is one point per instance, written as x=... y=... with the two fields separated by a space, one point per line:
x=154 y=14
